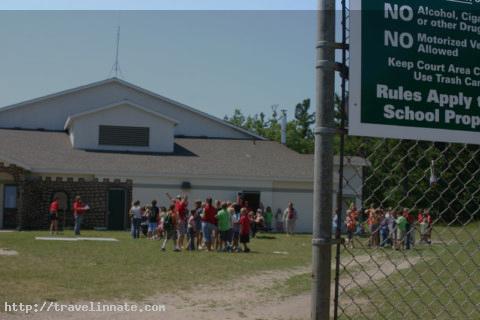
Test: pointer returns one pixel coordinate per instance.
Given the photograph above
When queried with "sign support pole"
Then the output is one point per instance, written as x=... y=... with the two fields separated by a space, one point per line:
x=323 y=170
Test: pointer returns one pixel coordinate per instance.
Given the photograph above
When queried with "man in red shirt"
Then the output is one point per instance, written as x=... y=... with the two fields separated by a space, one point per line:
x=244 y=229
x=208 y=222
x=53 y=216
x=181 y=204
x=422 y=214
x=426 y=215
x=79 y=209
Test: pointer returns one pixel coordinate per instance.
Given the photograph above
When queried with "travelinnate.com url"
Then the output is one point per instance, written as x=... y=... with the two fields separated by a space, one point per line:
x=52 y=306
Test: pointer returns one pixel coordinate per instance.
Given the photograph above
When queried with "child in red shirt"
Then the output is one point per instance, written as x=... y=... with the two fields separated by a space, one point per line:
x=244 y=229
x=53 y=216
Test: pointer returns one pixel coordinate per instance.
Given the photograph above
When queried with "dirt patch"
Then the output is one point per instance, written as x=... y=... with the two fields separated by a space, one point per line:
x=244 y=298
x=7 y=252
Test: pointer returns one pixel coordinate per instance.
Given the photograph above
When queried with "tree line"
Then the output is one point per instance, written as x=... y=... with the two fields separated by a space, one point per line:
x=299 y=129
x=399 y=173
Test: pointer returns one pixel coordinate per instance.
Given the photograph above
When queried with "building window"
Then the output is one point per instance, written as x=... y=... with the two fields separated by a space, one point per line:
x=124 y=136
x=10 y=197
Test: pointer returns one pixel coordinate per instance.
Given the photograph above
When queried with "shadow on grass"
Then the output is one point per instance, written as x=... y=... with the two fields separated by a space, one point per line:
x=265 y=237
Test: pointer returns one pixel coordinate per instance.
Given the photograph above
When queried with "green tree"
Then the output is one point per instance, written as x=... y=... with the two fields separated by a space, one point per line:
x=299 y=133
x=398 y=171
x=304 y=118
x=237 y=118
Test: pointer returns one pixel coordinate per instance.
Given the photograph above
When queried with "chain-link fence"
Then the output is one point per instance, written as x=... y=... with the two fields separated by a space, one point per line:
x=412 y=248
x=412 y=243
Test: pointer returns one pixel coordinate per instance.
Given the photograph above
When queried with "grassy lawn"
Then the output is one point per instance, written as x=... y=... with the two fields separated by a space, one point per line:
x=128 y=269
x=445 y=278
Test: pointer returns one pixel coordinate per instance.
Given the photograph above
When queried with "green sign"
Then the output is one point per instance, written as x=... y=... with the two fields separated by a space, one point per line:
x=415 y=69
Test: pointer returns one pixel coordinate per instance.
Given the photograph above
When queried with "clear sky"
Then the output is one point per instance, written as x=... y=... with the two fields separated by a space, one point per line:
x=158 y=4
x=213 y=60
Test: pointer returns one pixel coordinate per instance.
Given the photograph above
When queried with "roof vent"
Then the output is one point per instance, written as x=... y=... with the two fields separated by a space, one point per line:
x=124 y=136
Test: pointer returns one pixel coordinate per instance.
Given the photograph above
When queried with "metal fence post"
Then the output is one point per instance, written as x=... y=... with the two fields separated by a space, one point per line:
x=323 y=170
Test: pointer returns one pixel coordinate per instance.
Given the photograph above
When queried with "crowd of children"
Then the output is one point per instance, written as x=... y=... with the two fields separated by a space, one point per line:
x=220 y=226
x=223 y=226
x=389 y=228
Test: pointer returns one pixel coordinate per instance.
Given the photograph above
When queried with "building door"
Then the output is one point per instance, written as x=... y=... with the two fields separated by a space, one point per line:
x=1 y=206
x=9 y=205
x=117 y=209
x=253 y=198
x=8 y=201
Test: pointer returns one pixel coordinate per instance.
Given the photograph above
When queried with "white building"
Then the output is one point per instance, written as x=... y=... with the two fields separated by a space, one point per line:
x=112 y=142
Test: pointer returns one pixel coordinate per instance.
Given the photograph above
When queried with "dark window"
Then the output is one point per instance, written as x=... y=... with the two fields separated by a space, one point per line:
x=124 y=136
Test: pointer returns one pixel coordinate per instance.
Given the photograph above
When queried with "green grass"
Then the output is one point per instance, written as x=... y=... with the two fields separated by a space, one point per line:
x=128 y=269
x=294 y=285
x=442 y=283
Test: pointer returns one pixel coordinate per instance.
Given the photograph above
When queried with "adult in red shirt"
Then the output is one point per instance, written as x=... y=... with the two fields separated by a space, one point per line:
x=53 y=216
x=244 y=229
x=181 y=204
x=420 y=216
x=79 y=209
x=208 y=222
x=423 y=214
x=429 y=230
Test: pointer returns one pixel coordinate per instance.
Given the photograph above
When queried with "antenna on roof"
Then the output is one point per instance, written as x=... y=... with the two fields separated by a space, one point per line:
x=117 y=72
x=283 y=127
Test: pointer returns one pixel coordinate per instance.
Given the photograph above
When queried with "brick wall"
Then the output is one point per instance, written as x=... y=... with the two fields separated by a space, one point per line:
x=35 y=195
x=39 y=193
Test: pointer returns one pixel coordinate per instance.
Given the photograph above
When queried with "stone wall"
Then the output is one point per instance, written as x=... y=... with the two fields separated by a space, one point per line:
x=17 y=172
x=10 y=218
x=38 y=195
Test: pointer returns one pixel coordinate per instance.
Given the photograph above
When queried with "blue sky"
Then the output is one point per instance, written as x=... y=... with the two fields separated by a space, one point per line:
x=159 y=4
x=214 y=61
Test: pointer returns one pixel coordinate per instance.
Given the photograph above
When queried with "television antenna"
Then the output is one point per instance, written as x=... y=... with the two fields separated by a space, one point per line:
x=116 y=70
